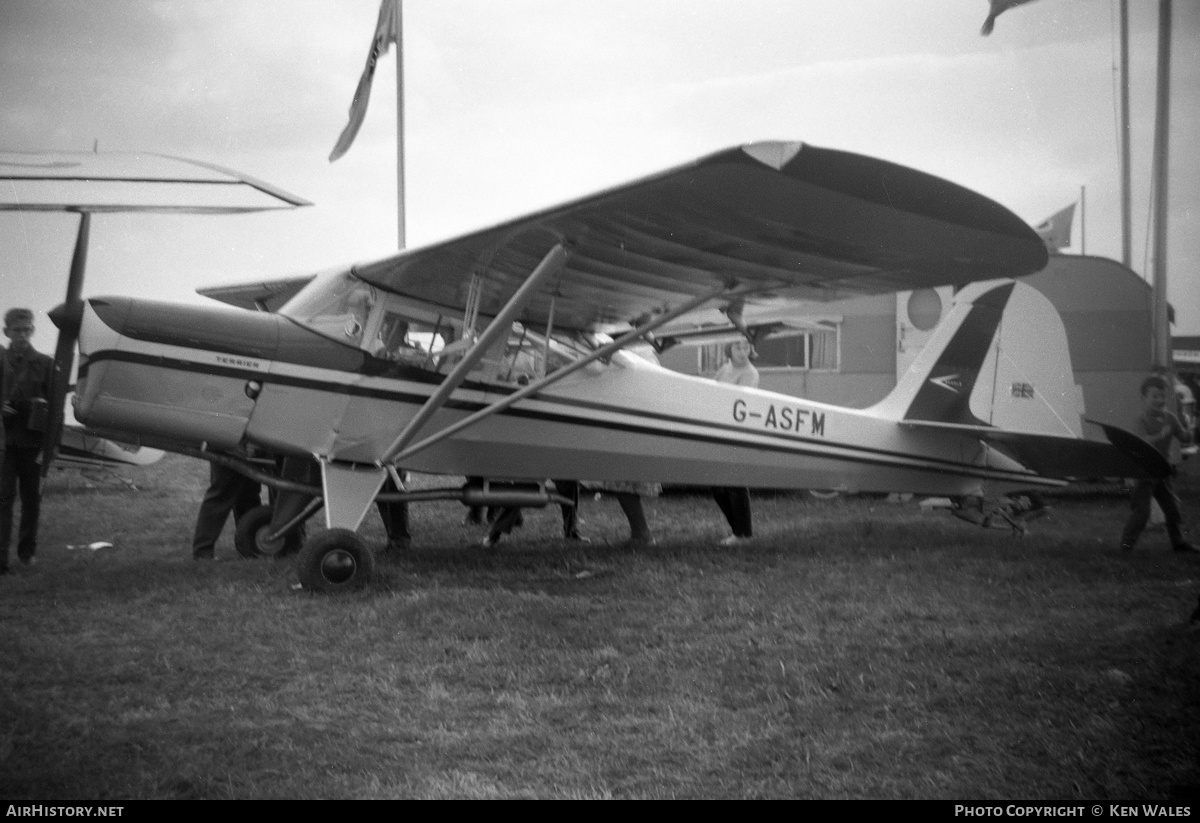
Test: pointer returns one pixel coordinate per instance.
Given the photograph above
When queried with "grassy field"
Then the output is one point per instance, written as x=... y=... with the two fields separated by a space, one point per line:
x=854 y=649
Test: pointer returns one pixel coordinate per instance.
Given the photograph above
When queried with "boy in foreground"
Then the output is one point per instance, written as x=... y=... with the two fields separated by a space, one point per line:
x=1157 y=426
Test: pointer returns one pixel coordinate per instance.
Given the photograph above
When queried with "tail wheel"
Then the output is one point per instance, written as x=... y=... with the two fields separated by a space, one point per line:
x=250 y=537
x=335 y=561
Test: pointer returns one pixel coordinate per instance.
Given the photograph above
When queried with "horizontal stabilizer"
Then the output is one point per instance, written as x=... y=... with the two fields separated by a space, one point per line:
x=266 y=295
x=1137 y=450
x=1067 y=457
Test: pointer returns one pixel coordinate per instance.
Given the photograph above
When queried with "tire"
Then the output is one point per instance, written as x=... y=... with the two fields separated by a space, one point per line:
x=334 y=562
x=252 y=529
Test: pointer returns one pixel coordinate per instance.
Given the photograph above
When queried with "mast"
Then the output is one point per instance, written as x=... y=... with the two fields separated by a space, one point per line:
x=1126 y=186
x=1162 y=120
x=398 y=36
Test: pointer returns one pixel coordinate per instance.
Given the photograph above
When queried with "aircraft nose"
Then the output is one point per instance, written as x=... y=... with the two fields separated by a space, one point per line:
x=68 y=316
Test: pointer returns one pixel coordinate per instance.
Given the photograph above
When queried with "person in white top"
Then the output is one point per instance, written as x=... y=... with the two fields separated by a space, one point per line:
x=734 y=501
x=738 y=369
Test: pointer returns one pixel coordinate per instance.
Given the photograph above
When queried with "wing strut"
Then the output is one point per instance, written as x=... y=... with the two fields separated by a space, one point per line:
x=398 y=455
x=551 y=264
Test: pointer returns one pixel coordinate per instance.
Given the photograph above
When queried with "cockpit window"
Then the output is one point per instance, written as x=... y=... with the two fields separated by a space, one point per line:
x=528 y=356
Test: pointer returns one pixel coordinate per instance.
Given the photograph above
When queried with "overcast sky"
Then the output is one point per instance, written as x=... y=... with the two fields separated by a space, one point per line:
x=514 y=105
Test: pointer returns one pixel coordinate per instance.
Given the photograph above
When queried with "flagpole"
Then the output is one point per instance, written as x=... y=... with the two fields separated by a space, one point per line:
x=1162 y=120
x=1126 y=185
x=399 y=38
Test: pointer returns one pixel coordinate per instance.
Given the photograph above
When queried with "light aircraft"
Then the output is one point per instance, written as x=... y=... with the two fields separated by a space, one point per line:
x=502 y=354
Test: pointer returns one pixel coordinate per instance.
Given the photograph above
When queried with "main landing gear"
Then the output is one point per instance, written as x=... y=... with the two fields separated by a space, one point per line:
x=329 y=562
x=335 y=561
x=252 y=538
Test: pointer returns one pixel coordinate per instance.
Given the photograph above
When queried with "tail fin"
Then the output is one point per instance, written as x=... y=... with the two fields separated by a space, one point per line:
x=998 y=359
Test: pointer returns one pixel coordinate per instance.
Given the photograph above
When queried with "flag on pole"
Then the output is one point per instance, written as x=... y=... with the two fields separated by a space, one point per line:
x=385 y=35
x=1055 y=230
x=998 y=7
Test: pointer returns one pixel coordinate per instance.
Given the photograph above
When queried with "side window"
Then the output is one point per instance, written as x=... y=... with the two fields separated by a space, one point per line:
x=396 y=341
x=524 y=357
x=401 y=338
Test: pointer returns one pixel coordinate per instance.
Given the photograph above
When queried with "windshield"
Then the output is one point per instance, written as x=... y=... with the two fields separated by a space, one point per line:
x=336 y=304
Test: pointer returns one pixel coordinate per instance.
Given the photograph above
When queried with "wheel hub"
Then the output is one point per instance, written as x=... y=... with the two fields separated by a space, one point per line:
x=338 y=566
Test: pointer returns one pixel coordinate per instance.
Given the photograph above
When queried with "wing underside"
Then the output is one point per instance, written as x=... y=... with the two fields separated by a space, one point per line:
x=268 y=295
x=119 y=182
x=784 y=220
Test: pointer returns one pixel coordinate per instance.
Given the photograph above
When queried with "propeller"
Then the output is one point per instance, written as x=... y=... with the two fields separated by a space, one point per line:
x=67 y=317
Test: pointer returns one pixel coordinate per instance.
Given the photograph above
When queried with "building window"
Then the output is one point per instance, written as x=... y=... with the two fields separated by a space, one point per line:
x=816 y=348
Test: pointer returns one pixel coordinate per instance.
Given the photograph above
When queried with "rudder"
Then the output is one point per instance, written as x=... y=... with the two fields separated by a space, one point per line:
x=998 y=359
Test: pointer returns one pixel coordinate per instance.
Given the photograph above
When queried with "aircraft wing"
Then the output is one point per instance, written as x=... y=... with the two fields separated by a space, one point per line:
x=116 y=182
x=786 y=219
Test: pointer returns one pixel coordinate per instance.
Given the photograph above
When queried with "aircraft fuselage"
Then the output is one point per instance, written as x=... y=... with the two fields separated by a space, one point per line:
x=221 y=379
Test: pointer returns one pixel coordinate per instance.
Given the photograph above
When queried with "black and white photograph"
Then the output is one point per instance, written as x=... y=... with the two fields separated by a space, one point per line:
x=599 y=399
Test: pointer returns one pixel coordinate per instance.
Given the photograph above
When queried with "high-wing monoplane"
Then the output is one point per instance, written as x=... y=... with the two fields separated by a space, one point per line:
x=500 y=354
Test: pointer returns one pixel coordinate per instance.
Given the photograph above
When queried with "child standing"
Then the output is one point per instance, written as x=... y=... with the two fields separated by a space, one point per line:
x=1157 y=426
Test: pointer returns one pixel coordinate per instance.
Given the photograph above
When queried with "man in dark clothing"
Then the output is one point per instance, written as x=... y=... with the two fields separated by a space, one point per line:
x=5 y=383
x=228 y=491
x=29 y=376
x=395 y=520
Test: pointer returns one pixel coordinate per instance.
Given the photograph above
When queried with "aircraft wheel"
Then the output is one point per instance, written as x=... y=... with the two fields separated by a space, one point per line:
x=335 y=561
x=250 y=536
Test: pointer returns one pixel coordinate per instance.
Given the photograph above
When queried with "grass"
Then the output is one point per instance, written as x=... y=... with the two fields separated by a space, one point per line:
x=854 y=649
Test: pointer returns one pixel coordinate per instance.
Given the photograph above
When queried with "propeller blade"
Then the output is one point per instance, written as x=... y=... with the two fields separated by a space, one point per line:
x=67 y=317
